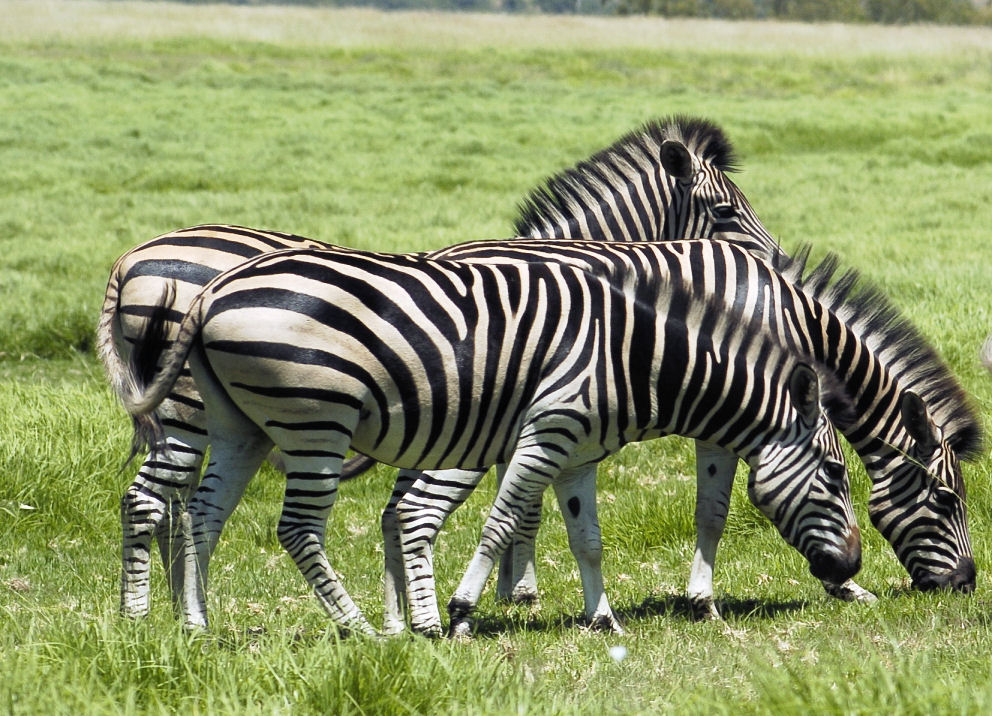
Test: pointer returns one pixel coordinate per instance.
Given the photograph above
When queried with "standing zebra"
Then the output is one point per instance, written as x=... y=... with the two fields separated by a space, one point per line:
x=546 y=366
x=667 y=180
x=913 y=420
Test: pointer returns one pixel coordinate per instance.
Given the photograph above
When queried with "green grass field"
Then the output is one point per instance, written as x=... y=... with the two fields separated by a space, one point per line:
x=120 y=121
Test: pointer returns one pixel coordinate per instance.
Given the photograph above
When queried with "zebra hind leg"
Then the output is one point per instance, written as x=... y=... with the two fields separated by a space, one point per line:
x=420 y=513
x=516 y=579
x=233 y=462
x=395 y=604
x=311 y=489
x=518 y=494
x=150 y=507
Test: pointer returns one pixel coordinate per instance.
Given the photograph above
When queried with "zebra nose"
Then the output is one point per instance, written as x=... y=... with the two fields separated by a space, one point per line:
x=835 y=565
x=960 y=579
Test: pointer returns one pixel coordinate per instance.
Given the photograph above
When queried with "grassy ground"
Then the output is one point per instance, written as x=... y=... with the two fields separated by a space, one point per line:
x=119 y=121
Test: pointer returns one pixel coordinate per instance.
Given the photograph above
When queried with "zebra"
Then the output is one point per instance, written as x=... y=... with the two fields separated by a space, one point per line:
x=186 y=260
x=666 y=180
x=546 y=366
x=914 y=421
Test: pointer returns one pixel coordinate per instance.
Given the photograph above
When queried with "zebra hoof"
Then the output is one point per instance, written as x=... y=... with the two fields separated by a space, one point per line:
x=430 y=631
x=393 y=629
x=133 y=612
x=460 y=630
x=850 y=591
x=605 y=622
x=525 y=596
x=703 y=609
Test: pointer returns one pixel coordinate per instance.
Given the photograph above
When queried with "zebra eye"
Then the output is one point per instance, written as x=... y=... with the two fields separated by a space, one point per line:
x=723 y=212
x=835 y=470
x=945 y=498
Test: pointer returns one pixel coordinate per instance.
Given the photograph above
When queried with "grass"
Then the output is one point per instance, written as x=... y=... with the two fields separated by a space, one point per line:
x=408 y=131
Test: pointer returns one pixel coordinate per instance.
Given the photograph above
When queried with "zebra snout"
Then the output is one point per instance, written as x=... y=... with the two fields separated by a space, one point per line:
x=960 y=579
x=834 y=565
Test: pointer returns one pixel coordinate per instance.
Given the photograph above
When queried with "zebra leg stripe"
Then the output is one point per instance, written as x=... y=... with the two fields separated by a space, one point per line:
x=150 y=507
x=420 y=515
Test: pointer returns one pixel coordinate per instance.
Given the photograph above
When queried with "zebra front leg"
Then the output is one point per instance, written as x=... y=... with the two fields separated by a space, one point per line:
x=715 y=469
x=421 y=512
x=160 y=488
x=516 y=579
x=311 y=489
x=576 y=492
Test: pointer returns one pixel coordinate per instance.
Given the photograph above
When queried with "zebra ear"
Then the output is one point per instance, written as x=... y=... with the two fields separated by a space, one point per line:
x=804 y=389
x=917 y=421
x=676 y=159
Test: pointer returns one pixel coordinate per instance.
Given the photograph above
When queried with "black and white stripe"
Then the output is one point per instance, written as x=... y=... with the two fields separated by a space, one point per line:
x=184 y=260
x=548 y=366
x=913 y=417
x=667 y=180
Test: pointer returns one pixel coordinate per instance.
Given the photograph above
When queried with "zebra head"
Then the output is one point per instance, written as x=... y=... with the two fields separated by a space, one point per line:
x=800 y=483
x=917 y=502
x=704 y=203
x=662 y=182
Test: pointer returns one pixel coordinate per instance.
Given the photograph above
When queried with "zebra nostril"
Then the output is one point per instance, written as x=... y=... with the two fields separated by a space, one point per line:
x=960 y=579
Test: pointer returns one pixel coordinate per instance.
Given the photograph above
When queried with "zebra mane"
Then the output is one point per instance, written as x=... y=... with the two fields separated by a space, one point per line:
x=890 y=335
x=568 y=193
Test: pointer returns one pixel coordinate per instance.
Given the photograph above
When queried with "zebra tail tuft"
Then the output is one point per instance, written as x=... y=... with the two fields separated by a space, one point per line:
x=142 y=366
x=153 y=369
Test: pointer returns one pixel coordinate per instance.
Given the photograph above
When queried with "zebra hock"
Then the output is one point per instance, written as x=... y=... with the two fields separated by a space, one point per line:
x=914 y=419
x=430 y=364
x=666 y=180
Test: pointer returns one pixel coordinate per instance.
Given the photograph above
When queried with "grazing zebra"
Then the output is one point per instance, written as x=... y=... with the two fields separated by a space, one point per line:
x=546 y=366
x=667 y=180
x=913 y=419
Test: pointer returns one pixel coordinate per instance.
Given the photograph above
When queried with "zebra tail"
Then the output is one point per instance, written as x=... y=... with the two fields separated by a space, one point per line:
x=155 y=365
x=109 y=337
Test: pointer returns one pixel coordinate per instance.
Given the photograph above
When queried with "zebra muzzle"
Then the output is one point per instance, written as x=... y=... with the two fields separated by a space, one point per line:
x=834 y=565
x=960 y=579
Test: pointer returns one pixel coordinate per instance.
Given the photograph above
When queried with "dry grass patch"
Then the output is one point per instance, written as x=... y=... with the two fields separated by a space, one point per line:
x=361 y=27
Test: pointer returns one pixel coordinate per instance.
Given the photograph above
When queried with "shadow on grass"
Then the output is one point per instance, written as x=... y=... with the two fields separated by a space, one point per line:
x=672 y=606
